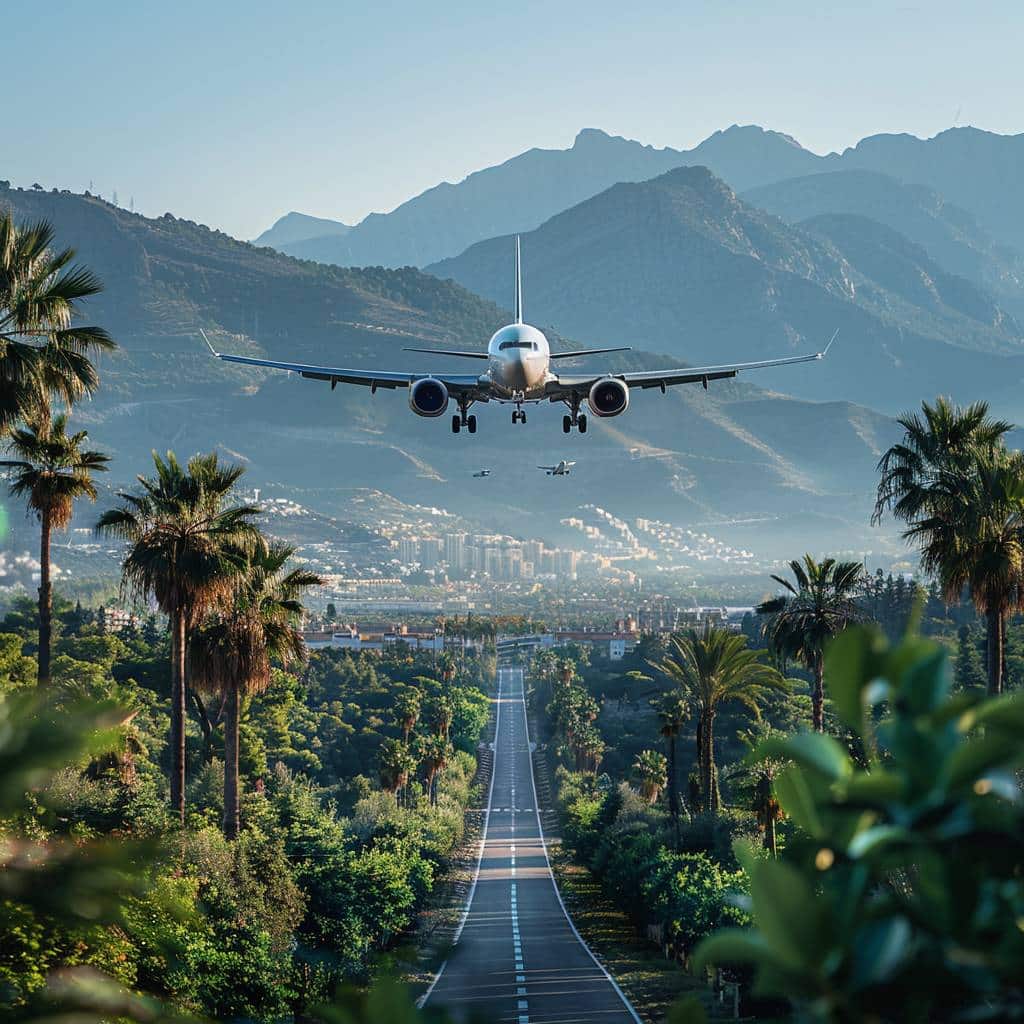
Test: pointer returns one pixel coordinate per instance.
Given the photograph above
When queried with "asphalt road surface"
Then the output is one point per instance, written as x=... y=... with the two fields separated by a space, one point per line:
x=517 y=956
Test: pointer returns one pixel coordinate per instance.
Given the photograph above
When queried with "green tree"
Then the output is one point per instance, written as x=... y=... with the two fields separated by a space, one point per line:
x=899 y=898
x=975 y=540
x=186 y=547
x=396 y=763
x=925 y=478
x=52 y=471
x=650 y=769
x=969 y=672
x=44 y=354
x=821 y=604
x=232 y=652
x=673 y=713
x=435 y=751
x=714 y=668
x=407 y=710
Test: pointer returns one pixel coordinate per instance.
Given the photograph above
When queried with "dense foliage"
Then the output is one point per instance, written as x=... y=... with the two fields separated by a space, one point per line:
x=328 y=870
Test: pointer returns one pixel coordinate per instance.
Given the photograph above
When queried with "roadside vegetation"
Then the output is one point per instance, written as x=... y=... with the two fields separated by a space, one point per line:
x=821 y=812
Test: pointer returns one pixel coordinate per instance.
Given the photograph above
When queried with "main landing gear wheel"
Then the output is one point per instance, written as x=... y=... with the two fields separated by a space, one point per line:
x=566 y=424
x=456 y=424
x=471 y=424
x=581 y=423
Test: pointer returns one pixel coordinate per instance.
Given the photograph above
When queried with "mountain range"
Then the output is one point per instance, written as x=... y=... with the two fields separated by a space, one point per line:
x=975 y=170
x=737 y=453
x=680 y=264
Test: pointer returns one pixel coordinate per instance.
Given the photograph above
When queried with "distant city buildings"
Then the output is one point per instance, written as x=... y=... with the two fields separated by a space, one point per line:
x=499 y=557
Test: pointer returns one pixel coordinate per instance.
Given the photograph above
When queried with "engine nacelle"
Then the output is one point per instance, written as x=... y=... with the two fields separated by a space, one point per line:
x=608 y=397
x=428 y=397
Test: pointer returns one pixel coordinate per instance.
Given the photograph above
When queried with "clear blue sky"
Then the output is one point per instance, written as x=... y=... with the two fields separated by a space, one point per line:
x=232 y=113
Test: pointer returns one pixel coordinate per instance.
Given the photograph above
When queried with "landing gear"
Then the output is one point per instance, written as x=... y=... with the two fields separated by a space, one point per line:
x=462 y=420
x=576 y=419
x=518 y=416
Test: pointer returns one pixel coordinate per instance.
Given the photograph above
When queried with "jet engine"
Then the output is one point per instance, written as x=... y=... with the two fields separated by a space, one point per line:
x=428 y=397
x=608 y=397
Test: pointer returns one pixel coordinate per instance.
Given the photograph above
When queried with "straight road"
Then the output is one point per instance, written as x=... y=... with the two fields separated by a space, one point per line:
x=517 y=957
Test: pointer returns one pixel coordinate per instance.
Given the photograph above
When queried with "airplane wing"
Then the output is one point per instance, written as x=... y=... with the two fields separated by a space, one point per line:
x=670 y=378
x=548 y=467
x=373 y=379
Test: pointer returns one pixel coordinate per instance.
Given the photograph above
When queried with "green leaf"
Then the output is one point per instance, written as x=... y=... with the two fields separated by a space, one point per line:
x=852 y=660
x=797 y=801
x=874 y=788
x=813 y=750
x=687 y=1011
x=979 y=755
x=874 y=839
x=925 y=684
x=788 y=914
x=1004 y=712
x=879 y=950
x=733 y=946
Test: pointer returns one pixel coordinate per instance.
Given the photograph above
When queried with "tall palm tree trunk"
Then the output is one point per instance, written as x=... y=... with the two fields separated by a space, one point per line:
x=818 y=695
x=231 y=721
x=45 y=601
x=178 y=633
x=708 y=781
x=994 y=655
x=673 y=791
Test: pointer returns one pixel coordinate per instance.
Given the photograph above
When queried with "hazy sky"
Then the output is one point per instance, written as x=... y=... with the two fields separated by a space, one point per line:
x=231 y=113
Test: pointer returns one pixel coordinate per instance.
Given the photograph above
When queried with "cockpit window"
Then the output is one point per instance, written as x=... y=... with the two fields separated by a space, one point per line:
x=517 y=344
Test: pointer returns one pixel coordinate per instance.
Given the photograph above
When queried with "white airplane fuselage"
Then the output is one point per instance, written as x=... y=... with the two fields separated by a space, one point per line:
x=518 y=362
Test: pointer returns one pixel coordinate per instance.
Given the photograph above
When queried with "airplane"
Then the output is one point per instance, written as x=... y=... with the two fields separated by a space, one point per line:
x=519 y=372
x=562 y=469
x=482 y=472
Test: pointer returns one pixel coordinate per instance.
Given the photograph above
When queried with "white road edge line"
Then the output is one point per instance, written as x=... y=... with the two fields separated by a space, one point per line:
x=551 y=874
x=421 y=1002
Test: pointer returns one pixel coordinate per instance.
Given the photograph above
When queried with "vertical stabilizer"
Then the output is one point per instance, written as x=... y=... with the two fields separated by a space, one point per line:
x=519 y=287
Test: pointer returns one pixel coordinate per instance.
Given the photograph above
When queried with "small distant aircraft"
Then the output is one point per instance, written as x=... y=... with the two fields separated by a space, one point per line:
x=562 y=469
x=482 y=472
x=519 y=372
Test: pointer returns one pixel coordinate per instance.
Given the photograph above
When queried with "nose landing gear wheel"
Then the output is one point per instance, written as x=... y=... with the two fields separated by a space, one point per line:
x=582 y=423
x=471 y=424
x=566 y=424
x=456 y=424
x=519 y=416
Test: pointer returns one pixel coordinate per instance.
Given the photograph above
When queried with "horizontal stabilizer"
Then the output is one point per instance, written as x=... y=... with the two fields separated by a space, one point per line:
x=587 y=352
x=448 y=352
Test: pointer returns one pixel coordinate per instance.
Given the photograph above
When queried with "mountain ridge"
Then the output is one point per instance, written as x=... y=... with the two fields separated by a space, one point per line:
x=528 y=188
x=686 y=456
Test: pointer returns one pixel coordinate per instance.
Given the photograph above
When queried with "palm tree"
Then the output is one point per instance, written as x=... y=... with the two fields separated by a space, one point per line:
x=396 y=764
x=442 y=714
x=52 y=471
x=43 y=354
x=435 y=752
x=651 y=769
x=977 y=541
x=938 y=447
x=714 y=668
x=820 y=605
x=935 y=480
x=185 y=550
x=232 y=652
x=673 y=714
x=407 y=708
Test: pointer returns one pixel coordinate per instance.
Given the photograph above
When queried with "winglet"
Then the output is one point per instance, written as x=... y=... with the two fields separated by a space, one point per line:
x=208 y=345
x=835 y=334
x=519 y=287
